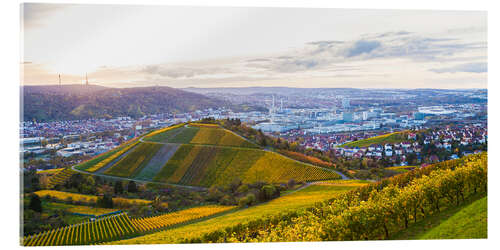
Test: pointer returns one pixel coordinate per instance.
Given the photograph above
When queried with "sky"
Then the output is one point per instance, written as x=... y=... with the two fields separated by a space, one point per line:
x=134 y=45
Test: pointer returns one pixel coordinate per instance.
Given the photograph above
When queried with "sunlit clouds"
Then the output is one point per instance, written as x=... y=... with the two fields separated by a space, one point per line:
x=126 y=46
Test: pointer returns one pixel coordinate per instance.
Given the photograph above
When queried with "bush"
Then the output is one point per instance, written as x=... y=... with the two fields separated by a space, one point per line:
x=247 y=200
x=35 y=203
x=267 y=192
x=105 y=201
x=242 y=189
x=214 y=194
x=226 y=200
x=132 y=187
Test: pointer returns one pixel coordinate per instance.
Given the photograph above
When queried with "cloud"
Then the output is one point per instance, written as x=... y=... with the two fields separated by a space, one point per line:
x=182 y=71
x=362 y=47
x=398 y=33
x=467 y=67
x=259 y=60
x=389 y=45
x=35 y=14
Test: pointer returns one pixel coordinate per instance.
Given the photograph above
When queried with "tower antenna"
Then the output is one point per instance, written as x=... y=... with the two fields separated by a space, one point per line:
x=86 y=80
x=59 y=79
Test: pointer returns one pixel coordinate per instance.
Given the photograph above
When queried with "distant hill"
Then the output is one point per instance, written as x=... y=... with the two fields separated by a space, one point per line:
x=69 y=102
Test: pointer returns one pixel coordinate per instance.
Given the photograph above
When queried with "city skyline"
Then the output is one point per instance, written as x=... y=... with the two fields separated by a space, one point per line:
x=132 y=46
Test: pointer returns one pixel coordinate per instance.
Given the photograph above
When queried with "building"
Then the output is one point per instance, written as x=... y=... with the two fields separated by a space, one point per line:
x=346 y=103
x=347 y=116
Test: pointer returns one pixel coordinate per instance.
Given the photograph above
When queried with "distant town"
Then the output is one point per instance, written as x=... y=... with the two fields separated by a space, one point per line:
x=325 y=125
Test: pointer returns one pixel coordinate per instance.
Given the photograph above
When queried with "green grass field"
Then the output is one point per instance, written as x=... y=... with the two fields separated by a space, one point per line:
x=381 y=139
x=468 y=221
x=293 y=201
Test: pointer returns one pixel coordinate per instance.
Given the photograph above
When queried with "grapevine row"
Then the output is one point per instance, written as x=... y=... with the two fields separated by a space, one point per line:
x=61 y=177
x=112 y=157
x=91 y=232
x=116 y=227
x=374 y=211
x=158 y=222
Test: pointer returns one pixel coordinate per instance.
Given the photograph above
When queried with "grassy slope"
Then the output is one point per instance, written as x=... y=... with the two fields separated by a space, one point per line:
x=468 y=221
x=382 y=139
x=297 y=200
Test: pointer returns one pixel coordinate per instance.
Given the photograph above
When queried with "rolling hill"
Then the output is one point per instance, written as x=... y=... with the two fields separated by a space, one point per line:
x=69 y=102
x=201 y=155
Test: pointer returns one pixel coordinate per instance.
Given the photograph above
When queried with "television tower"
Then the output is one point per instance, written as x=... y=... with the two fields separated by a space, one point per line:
x=86 y=80
x=59 y=79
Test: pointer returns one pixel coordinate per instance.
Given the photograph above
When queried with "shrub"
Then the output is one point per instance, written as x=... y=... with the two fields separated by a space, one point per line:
x=105 y=201
x=267 y=192
x=35 y=203
x=242 y=189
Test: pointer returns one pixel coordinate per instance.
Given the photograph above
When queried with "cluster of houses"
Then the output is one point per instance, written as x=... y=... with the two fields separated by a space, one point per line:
x=447 y=139
x=464 y=135
x=378 y=151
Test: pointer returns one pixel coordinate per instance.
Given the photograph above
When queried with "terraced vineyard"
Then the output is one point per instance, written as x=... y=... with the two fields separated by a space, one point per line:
x=133 y=162
x=291 y=202
x=161 y=221
x=103 y=159
x=204 y=155
x=157 y=162
x=206 y=134
x=60 y=177
x=101 y=230
x=116 y=227
x=206 y=166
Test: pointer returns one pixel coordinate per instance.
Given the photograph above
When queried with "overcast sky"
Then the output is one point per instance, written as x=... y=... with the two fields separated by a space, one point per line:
x=127 y=46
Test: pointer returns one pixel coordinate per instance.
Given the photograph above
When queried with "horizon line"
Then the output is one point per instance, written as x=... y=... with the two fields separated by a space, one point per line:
x=241 y=87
